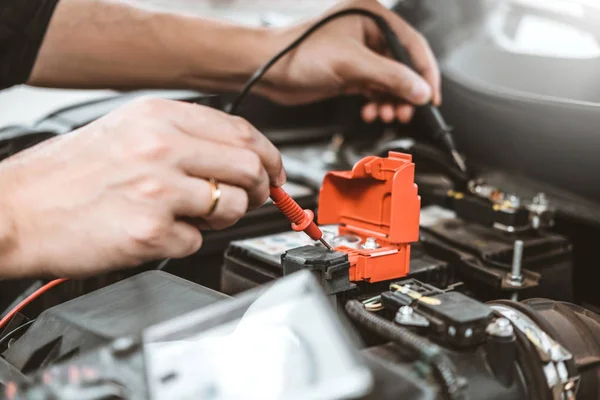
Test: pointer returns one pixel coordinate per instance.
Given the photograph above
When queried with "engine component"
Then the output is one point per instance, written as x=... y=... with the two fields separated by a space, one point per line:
x=95 y=319
x=251 y=262
x=305 y=352
x=485 y=257
x=378 y=202
x=330 y=267
x=490 y=206
x=538 y=349
x=578 y=330
x=450 y=318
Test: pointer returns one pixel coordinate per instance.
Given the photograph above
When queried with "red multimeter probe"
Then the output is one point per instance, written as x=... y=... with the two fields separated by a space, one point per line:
x=302 y=220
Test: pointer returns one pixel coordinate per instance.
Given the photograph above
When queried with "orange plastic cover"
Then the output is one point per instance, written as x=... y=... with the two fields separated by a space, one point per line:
x=378 y=198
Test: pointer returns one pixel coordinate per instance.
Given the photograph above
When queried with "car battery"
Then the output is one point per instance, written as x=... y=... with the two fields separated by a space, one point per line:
x=253 y=262
x=485 y=256
x=370 y=214
x=373 y=215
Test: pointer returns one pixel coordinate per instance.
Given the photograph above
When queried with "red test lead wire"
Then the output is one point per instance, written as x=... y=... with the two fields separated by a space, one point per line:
x=28 y=300
x=302 y=220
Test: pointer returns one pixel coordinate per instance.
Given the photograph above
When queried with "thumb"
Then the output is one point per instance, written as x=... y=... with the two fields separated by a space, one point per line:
x=370 y=69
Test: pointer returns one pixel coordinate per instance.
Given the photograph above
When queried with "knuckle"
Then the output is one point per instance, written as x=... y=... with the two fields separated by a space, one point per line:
x=341 y=66
x=152 y=188
x=252 y=168
x=245 y=133
x=148 y=230
x=152 y=146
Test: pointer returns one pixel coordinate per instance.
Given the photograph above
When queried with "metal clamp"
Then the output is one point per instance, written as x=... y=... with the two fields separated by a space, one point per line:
x=552 y=354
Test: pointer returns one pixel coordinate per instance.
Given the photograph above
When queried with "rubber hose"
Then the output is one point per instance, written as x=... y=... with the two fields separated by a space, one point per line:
x=429 y=353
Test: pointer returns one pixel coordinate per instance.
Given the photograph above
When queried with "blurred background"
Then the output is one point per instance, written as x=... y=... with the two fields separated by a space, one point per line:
x=521 y=77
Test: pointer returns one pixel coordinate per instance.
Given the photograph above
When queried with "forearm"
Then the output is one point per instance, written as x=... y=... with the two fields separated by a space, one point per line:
x=114 y=44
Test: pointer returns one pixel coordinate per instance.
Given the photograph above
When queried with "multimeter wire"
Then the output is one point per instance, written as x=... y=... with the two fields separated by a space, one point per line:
x=428 y=113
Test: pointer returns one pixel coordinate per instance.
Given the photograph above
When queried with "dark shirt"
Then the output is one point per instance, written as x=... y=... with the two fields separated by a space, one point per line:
x=23 y=24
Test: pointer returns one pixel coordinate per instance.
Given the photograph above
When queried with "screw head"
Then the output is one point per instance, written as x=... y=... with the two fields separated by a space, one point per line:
x=452 y=331
x=468 y=333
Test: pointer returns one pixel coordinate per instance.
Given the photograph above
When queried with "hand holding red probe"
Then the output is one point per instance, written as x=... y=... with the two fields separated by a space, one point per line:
x=302 y=220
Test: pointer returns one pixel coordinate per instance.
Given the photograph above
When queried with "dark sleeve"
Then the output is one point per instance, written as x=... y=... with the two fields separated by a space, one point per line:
x=23 y=24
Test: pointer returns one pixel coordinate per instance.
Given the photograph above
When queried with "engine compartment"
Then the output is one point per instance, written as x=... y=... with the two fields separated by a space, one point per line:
x=497 y=300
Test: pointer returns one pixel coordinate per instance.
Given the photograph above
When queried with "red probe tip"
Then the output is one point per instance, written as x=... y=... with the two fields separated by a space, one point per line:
x=302 y=220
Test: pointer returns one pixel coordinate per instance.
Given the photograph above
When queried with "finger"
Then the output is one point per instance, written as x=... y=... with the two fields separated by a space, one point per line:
x=387 y=113
x=369 y=112
x=230 y=165
x=232 y=206
x=210 y=124
x=437 y=99
x=182 y=240
x=196 y=201
x=398 y=80
x=404 y=113
x=420 y=52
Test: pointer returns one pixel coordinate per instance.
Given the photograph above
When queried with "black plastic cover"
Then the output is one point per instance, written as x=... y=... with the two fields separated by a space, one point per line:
x=330 y=267
x=454 y=318
x=122 y=309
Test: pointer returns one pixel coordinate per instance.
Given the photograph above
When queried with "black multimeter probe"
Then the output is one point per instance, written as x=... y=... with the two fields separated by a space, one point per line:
x=429 y=114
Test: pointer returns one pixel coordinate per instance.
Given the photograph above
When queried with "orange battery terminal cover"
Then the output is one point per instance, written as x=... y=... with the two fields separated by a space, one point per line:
x=377 y=199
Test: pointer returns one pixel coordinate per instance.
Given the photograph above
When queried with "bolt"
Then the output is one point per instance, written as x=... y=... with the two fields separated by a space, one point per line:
x=370 y=244
x=500 y=328
x=468 y=333
x=516 y=277
x=406 y=310
x=452 y=331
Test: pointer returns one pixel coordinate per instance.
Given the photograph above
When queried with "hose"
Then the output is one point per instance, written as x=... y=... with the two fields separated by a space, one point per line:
x=428 y=353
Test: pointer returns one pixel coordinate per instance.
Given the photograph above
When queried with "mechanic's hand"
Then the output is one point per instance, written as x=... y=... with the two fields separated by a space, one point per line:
x=348 y=56
x=131 y=187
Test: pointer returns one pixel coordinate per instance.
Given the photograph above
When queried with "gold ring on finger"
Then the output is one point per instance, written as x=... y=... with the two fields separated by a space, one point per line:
x=215 y=196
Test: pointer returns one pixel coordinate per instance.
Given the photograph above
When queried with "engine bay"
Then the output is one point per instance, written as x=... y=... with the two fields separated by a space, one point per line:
x=441 y=284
